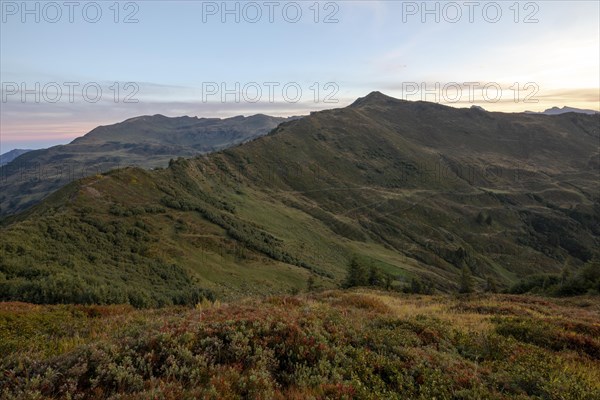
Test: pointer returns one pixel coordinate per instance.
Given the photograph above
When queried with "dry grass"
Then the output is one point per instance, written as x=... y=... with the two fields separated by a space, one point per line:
x=361 y=344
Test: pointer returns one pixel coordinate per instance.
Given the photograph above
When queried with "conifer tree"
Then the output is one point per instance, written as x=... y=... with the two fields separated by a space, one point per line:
x=466 y=280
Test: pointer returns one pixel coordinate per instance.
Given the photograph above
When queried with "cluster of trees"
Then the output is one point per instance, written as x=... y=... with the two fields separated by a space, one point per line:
x=63 y=288
x=466 y=282
x=419 y=286
x=360 y=274
x=550 y=234
x=123 y=211
x=585 y=280
x=365 y=274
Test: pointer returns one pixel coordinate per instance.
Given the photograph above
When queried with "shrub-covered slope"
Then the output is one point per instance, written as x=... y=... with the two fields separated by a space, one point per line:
x=334 y=345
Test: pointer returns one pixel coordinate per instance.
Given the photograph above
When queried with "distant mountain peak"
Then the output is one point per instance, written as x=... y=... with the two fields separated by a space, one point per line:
x=478 y=108
x=11 y=155
x=557 y=111
x=374 y=98
x=146 y=118
x=376 y=94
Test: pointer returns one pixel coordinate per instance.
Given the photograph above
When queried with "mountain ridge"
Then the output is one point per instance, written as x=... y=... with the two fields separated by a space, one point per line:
x=146 y=141
x=9 y=156
x=565 y=109
x=417 y=189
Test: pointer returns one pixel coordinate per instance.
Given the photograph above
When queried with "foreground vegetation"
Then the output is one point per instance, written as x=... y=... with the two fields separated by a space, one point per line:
x=333 y=344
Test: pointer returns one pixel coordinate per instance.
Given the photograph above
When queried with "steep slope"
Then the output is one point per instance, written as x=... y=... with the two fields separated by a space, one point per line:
x=417 y=189
x=147 y=141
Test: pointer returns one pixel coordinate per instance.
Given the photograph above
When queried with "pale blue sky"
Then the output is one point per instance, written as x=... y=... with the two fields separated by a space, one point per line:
x=375 y=45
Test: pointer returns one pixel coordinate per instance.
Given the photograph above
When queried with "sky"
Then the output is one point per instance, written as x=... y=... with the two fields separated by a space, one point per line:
x=67 y=67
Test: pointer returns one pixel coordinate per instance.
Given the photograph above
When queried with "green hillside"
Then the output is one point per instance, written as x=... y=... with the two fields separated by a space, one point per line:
x=419 y=190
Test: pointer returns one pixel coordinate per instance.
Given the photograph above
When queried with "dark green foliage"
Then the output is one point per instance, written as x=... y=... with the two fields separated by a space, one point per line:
x=358 y=274
x=67 y=289
x=466 y=283
x=484 y=218
x=377 y=277
x=567 y=283
x=550 y=233
x=419 y=286
x=361 y=274
x=480 y=218
x=491 y=286
x=535 y=283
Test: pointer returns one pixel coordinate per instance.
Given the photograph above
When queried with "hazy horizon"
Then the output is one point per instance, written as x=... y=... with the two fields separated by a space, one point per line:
x=40 y=144
x=66 y=70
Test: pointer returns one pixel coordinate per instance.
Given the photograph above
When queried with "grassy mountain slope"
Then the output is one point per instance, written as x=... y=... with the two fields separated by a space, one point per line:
x=330 y=345
x=417 y=189
x=147 y=141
